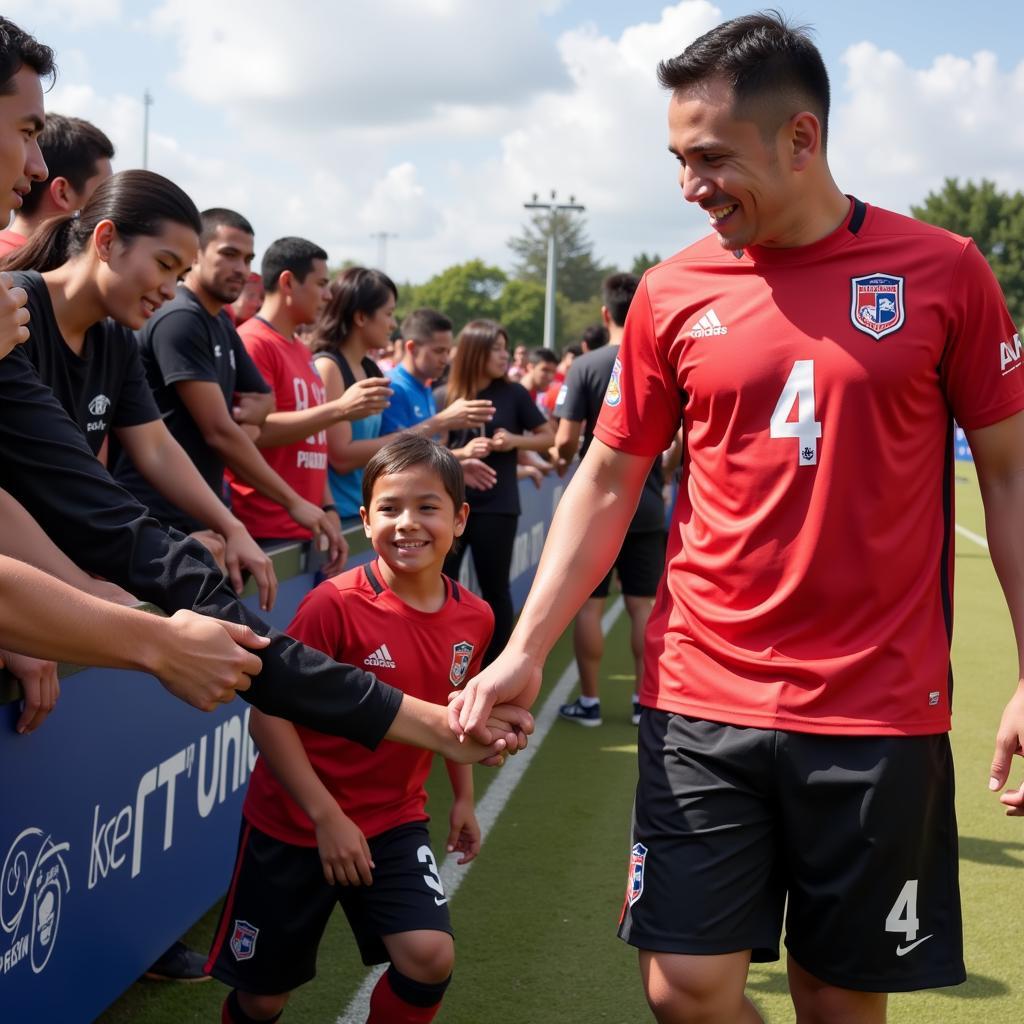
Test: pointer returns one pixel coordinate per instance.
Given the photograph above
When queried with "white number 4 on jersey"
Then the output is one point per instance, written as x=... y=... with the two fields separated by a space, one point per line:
x=799 y=389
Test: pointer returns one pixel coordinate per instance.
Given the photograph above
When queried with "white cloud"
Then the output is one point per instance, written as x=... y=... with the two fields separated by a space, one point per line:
x=325 y=68
x=899 y=131
x=70 y=13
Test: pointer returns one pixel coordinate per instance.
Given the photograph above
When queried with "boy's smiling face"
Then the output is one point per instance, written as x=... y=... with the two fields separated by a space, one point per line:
x=412 y=521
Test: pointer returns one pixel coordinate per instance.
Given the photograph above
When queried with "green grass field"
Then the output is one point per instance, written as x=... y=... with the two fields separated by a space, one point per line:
x=536 y=914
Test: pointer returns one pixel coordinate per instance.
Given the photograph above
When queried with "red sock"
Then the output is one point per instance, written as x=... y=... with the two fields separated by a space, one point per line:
x=387 y=1007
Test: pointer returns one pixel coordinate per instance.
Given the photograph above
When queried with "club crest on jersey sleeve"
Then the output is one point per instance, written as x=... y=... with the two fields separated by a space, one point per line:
x=635 y=881
x=462 y=653
x=243 y=940
x=613 y=395
x=876 y=304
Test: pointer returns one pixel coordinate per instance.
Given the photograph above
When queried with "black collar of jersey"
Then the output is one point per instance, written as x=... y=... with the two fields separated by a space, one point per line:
x=860 y=211
x=378 y=587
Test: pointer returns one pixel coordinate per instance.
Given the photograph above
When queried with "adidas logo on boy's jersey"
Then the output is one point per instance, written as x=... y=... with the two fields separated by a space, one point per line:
x=708 y=326
x=381 y=658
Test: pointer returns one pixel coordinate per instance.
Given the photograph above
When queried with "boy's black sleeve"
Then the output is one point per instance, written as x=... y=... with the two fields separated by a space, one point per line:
x=46 y=464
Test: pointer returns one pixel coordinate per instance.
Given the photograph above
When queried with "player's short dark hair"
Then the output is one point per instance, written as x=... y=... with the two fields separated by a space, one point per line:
x=422 y=324
x=617 y=293
x=140 y=203
x=407 y=451
x=17 y=50
x=354 y=290
x=596 y=336
x=294 y=254
x=71 y=148
x=763 y=58
x=543 y=355
x=218 y=216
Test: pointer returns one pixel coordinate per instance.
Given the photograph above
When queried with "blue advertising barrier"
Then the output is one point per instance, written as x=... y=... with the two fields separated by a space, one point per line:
x=119 y=817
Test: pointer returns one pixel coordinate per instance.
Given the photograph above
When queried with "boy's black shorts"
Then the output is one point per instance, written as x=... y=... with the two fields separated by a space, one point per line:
x=279 y=903
x=858 y=833
x=640 y=563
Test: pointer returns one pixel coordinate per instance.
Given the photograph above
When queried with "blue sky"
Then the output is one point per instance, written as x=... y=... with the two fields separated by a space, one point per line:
x=435 y=119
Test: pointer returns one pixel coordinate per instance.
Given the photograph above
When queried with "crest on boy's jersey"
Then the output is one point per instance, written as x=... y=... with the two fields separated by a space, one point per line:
x=876 y=304
x=613 y=395
x=243 y=940
x=635 y=881
x=462 y=653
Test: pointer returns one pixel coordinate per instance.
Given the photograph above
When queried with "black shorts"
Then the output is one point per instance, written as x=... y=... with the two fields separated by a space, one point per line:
x=857 y=832
x=279 y=903
x=640 y=563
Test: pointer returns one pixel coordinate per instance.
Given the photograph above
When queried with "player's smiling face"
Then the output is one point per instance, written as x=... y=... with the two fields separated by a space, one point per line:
x=412 y=521
x=730 y=169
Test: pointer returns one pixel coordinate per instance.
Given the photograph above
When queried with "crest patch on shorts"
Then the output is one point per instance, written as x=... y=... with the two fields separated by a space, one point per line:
x=243 y=940
x=635 y=881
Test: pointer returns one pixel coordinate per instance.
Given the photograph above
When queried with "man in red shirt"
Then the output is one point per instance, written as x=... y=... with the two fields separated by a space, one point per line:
x=293 y=439
x=797 y=683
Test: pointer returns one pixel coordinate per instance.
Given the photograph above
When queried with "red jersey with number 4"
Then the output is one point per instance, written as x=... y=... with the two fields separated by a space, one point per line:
x=355 y=618
x=287 y=366
x=809 y=567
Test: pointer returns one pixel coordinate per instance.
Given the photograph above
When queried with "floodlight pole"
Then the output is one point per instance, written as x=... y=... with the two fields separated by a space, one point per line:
x=147 y=102
x=382 y=246
x=550 y=287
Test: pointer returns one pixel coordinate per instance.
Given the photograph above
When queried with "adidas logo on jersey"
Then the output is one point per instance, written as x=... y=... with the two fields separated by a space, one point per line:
x=708 y=326
x=381 y=658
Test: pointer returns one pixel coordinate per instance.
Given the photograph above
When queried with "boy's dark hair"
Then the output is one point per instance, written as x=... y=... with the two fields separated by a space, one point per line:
x=422 y=324
x=71 y=148
x=18 y=49
x=542 y=355
x=218 y=216
x=294 y=254
x=138 y=202
x=617 y=293
x=596 y=336
x=771 y=65
x=407 y=451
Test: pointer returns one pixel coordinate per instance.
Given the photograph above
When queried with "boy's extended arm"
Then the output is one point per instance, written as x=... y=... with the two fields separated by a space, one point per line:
x=464 y=829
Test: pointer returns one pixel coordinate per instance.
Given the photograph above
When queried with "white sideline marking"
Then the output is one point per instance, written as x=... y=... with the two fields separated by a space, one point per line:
x=970 y=535
x=489 y=808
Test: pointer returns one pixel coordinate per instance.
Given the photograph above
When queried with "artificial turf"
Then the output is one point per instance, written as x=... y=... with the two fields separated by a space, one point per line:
x=535 y=916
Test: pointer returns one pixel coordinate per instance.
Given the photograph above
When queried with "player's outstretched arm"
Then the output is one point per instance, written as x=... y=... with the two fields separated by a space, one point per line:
x=463 y=829
x=584 y=539
x=423 y=724
x=999 y=456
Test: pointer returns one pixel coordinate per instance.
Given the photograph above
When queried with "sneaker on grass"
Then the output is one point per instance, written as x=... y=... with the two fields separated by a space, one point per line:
x=179 y=963
x=636 y=711
x=576 y=712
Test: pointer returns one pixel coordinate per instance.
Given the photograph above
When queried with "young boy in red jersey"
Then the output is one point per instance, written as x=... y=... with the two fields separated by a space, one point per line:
x=326 y=821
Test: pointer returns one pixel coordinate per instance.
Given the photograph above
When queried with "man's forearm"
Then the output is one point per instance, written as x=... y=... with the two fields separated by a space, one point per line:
x=239 y=453
x=281 y=428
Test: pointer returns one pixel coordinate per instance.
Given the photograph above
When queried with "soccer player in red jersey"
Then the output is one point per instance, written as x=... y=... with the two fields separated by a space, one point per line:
x=793 y=750
x=328 y=822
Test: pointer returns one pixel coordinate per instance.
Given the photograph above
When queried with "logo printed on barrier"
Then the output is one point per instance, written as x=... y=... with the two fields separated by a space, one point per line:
x=462 y=653
x=243 y=941
x=613 y=395
x=635 y=881
x=876 y=304
x=33 y=881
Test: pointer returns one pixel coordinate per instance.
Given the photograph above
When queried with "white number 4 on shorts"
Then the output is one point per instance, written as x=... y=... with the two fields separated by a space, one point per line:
x=903 y=918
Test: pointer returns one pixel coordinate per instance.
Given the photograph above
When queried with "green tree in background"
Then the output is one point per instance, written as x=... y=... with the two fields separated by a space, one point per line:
x=463 y=292
x=642 y=262
x=521 y=310
x=579 y=275
x=994 y=219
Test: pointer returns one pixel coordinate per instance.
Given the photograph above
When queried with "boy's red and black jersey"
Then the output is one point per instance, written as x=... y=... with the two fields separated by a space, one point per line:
x=809 y=565
x=356 y=617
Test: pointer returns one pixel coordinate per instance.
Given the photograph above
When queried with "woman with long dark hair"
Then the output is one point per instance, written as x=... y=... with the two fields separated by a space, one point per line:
x=479 y=372
x=91 y=279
